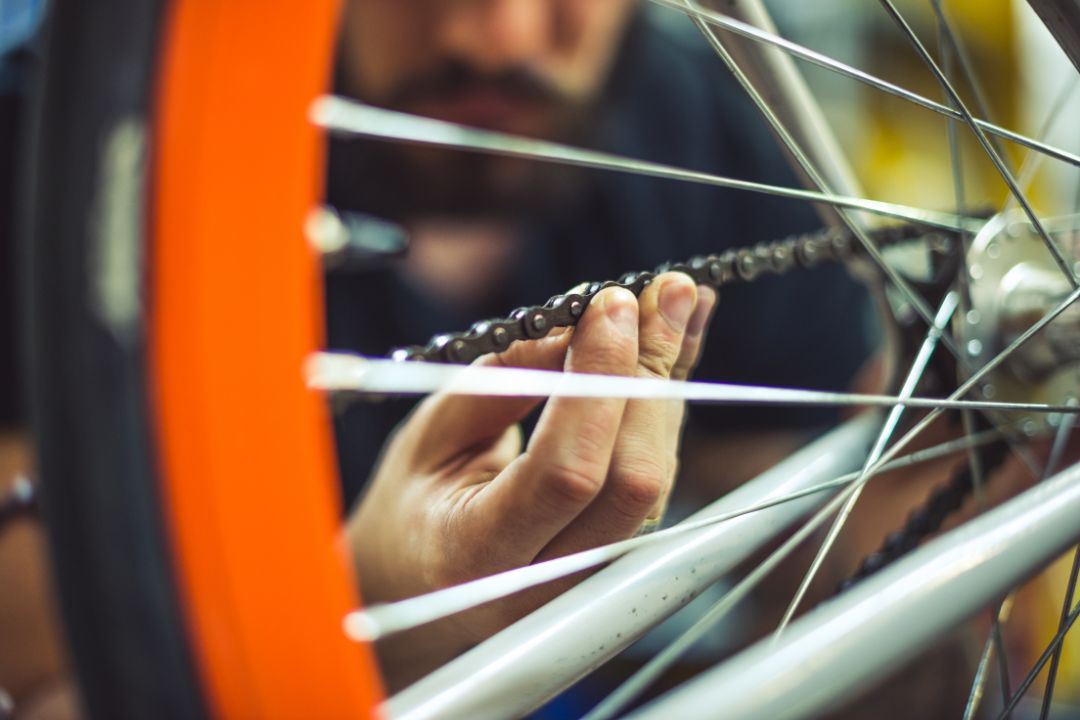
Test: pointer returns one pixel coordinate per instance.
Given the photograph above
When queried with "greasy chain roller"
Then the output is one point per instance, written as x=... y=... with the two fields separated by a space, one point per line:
x=731 y=266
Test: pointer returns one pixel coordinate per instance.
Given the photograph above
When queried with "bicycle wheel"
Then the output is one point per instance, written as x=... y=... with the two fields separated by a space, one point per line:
x=201 y=369
x=172 y=613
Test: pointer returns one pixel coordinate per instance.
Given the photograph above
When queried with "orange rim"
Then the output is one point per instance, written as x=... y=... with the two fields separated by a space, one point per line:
x=246 y=455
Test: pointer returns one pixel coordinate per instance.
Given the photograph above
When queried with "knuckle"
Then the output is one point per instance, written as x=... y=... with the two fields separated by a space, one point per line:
x=572 y=487
x=636 y=491
x=657 y=359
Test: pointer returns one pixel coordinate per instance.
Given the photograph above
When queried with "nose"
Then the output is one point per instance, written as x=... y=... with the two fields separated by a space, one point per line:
x=493 y=34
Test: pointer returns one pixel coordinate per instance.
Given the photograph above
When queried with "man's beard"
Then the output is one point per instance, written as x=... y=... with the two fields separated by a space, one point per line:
x=404 y=182
x=409 y=182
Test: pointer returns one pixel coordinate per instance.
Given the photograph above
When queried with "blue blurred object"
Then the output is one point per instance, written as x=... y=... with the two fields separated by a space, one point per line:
x=19 y=23
x=19 y=20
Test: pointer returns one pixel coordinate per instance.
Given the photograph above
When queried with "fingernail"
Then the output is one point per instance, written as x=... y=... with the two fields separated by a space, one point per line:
x=676 y=303
x=621 y=308
x=703 y=311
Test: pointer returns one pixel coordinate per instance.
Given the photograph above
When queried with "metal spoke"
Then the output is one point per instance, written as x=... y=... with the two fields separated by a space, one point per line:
x=633 y=687
x=346 y=116
x=746 y=30
x=343 y=372
x=378 y=621
x=1059 y=258
x=950 y=40
x=1043 y=659
x=819 y=181
x=647 y=674
x=981 y=673
x=1057 y=451
x=948 y=44
x=651 y=670
x=914 y=376
x=1057 y=108
x=1055 y=659
x=950 y=47
x=1002 y=658
x=989 y=367
x=995 y=635
x=993 y=641
x=799 y=154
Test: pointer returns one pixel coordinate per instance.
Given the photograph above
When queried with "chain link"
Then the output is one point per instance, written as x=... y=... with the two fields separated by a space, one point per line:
x=731 y=266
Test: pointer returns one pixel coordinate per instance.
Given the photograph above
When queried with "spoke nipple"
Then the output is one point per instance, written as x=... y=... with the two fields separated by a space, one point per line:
x=361 y=627
x=335 y=372
x=349 y=238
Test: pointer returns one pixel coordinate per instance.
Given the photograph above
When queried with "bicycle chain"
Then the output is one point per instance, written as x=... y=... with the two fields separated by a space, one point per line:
x=731 y=266
x=928 y=518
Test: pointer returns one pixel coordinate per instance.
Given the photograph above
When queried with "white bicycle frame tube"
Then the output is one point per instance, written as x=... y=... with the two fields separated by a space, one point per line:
x=848 y=643
x=520 y=668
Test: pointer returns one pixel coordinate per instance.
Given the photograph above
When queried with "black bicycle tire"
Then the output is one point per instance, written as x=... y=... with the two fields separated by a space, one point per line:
x=89 y=392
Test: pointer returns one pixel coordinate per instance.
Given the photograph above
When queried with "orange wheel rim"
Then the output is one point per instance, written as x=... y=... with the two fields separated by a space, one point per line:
x=246 y=456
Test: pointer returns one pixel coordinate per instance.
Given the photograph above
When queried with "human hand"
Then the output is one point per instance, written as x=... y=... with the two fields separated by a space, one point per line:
x=456 y=498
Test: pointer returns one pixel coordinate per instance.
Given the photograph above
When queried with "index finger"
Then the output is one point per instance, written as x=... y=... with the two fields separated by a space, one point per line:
x=567 y=459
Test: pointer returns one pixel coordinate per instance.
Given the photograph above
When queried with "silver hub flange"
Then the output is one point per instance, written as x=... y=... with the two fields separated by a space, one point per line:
x=1014 y=281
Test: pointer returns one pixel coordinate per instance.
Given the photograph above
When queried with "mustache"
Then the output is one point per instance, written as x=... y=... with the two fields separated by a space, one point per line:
x=453 y=78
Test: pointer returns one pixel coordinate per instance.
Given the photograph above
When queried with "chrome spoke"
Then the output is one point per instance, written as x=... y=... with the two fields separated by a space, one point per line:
x=950 y=48
x=344 y=372
x=818 y=180
x=378 y=621
x=1033 y=159
x=1057 y=451
x=951 y=41
x=1041 y=662
x=1062 y=262
x=981 y=674
x=647 y=674
x=1002 y=658
x=1055 y=659
x=995 y=637
x=816 y=58
x=914 y=376
x=354 y=118
x=629 y=690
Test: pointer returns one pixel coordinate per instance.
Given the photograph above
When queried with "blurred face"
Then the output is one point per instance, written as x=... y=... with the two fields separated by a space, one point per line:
x=529 y=67
x=521 y=66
